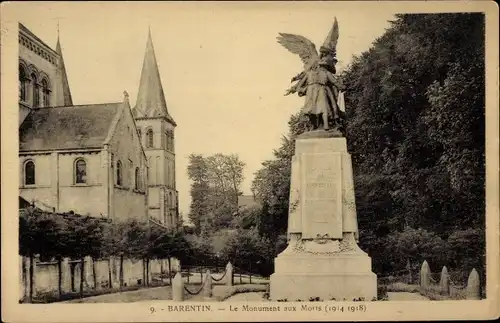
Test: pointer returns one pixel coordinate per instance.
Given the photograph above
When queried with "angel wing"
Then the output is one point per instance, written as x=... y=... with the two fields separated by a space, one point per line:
x=300 y=45
x=333 y=36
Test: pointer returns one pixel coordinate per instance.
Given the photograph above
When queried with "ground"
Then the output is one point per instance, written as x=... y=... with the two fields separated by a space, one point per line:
x=405 y=296
x=247 y=297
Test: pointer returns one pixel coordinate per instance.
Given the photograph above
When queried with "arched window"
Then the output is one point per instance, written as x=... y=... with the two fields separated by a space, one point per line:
x=137 y=178
x=29 y=173
x=45 y=93
x=80 y=171
x=150 y=140
x=35 y=93
x=23 y=93
x=119 y=173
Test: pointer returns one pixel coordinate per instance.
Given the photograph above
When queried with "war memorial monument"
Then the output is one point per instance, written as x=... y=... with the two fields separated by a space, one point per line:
x=322 y=258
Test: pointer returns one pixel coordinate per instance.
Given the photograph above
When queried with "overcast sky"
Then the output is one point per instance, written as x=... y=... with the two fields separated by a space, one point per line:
x=223 y=73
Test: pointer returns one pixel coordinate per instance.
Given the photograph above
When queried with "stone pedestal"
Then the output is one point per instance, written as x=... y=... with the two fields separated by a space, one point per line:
x=322 y=258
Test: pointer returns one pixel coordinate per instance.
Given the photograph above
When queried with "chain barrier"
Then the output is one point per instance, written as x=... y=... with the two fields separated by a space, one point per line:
x=452 y=284
x=219 y=279
x=197 y=292
x=433 y=280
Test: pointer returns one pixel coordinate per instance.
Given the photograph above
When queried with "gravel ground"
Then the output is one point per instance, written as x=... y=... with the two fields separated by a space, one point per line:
x=404 y=296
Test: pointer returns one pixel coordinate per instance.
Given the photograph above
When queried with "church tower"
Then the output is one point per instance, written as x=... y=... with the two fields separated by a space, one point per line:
x=156 y=130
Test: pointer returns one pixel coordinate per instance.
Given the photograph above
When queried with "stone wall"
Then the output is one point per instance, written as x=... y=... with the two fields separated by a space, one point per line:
x=46 y=274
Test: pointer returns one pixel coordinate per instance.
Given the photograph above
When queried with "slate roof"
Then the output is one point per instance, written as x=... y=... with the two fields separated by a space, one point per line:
x=71 y=127
x=23 y=203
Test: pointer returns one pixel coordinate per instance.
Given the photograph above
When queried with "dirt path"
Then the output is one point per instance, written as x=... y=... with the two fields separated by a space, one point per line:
x=404 y=296
x=244 y=297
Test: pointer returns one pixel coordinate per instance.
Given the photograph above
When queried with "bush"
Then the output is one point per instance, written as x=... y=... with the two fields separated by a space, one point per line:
x=382 y=293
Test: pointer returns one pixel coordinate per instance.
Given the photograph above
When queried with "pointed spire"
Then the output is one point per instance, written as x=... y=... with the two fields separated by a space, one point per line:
x=65 y=94
x=150 y=97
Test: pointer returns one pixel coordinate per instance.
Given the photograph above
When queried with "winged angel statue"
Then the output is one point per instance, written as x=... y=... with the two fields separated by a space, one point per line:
x=318 y=82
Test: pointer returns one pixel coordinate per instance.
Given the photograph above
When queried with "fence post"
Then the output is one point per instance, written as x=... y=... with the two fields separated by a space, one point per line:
x=178 y=288
x=424 y=277
x=207 y=285
x=229 y=274
x=444 y=282
x=473 y=285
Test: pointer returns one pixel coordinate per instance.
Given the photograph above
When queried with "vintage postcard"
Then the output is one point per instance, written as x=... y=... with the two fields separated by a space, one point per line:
x=249 y=161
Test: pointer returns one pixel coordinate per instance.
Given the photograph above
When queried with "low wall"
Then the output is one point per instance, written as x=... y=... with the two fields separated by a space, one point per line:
x=46 y=274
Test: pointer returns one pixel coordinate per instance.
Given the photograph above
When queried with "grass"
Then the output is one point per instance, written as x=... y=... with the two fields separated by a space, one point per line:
x=434 y=292
x=402 y=287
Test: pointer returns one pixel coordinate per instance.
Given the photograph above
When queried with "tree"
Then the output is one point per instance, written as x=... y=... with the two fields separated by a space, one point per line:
x=415 y=131
x=248 y=250
x=198 y=174
x=216 y=183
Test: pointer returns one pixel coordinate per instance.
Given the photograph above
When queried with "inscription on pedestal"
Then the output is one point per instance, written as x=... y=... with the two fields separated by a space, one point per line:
x=321 y=183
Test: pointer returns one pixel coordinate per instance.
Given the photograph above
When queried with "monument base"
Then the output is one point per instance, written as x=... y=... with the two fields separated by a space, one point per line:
x=322 y=258
x=343 y=276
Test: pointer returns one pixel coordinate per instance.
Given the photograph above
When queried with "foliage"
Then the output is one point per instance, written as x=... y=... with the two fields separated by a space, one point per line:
x=415 y=130
x=216 y=182
x=250 y=251
x=53 y=235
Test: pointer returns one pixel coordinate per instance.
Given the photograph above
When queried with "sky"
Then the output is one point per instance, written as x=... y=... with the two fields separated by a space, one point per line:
x=223 y=73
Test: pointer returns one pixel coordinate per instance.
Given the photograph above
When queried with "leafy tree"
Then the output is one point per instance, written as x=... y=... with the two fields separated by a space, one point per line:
x=214 y=191
x=248 y=250
x=415 y=131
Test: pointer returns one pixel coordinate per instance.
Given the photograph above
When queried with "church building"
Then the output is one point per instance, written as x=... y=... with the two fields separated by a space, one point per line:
x=156 y=129
x=103 y=160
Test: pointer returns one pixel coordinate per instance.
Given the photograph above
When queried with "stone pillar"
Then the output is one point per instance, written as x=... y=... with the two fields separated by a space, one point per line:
x=24 y=278
x=229 y=274
x=473 y=286
x=177 y=288
x=65 y=275
x=32 y=274
x=207 y=285
x=89 y=276
x=424 y=277
x=322 y=258
x=444 y=282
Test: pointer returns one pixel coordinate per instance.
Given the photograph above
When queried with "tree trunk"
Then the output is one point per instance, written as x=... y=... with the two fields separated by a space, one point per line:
x=72 y=271
x=82 y=275
x=31 y=284
x=408 y=264
x=144 y=271
x=121 y=271
x=94 y=273
x=147 y=272
x=110 y=276
x=169 y=271
x=59 y=276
